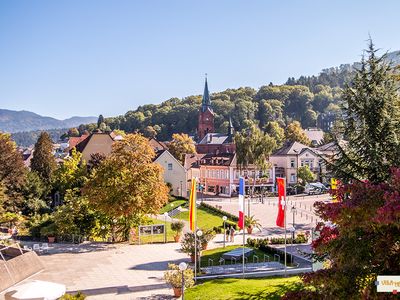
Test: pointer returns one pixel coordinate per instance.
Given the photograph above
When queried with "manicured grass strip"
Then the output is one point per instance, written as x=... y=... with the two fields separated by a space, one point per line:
x=215 y=255
x=235 y=289
x=172 y=205
x=205 y=218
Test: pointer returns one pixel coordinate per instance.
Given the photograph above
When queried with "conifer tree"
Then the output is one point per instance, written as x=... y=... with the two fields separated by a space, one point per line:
x=100 y=120
x=43 y=161
x=370 y=122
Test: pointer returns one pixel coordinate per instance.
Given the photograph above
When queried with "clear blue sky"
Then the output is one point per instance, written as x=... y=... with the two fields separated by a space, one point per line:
x=65 y=58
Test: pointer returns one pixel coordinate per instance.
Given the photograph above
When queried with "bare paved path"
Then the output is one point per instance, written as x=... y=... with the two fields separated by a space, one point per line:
x=114 y=271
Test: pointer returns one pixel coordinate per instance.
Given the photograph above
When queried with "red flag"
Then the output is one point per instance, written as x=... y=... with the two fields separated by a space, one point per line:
x=280 y=219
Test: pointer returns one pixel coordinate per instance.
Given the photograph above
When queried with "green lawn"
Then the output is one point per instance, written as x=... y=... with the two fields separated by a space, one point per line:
x=215 y=255
x=232 y=289
x=205 y=218
x=171 y=205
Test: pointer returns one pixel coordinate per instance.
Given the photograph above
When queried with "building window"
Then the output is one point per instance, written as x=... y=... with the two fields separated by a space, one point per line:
x=169 y=167
x=292 y=177
x=292 y=163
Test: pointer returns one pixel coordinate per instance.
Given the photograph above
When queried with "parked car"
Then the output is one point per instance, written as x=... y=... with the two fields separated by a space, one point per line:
x=311 y=190
x=315 y=188
x=291 y=190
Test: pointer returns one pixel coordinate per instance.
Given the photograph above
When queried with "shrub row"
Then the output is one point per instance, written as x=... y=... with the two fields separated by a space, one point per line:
x=228 y=224
x=300 y=239
x=263 y=245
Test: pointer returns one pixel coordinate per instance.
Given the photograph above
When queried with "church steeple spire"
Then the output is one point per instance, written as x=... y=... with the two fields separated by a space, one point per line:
x=206 y=115
x=206 y=102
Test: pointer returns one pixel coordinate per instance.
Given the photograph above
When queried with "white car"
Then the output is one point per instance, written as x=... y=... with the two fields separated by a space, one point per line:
x=315 y=188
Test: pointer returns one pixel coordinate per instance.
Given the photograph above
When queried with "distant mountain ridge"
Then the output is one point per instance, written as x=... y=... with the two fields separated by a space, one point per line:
x=17 y=121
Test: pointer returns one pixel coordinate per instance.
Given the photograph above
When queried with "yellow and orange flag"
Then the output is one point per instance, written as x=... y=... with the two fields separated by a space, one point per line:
x=334 y=184
x=192 y=205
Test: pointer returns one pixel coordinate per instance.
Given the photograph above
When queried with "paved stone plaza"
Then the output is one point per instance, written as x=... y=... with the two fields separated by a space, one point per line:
x=113 y=271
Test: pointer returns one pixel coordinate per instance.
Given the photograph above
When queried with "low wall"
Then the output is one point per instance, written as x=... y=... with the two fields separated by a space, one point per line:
x=19 y=268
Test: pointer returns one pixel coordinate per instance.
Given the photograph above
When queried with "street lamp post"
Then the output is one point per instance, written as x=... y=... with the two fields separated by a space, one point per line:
x=224 y=218
x=182 y=267
x=165 y=226
x=199 y=234
x=181 y=188
x=293 y=210
x=113 y=234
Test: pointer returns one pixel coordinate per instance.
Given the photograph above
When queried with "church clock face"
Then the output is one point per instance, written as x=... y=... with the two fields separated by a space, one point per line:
x=207 y=119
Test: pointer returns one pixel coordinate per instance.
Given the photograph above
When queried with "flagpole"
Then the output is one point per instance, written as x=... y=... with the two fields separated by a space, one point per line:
x=285 y=224
x=243 y=225
x=195 y=232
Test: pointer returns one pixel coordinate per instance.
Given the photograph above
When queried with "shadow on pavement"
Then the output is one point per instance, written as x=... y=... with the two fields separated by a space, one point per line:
x=157 y=265
x=124 y=289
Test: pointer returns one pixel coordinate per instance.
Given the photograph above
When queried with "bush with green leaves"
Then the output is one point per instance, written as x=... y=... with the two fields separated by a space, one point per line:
x=75 y=216
x=174 y=276
x=77 y=296
x=187 y=243
x=37 y=222
x=251 y=222
x=49 y=230
x=177 y=227
x=263 y=245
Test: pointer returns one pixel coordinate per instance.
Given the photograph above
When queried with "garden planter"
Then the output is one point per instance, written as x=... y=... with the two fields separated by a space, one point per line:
x=51 y=239
x=177 y=292
x=249 y=230
x=177 y=238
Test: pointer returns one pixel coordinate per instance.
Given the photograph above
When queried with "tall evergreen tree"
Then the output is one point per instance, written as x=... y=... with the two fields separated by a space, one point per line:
x=43 y=161
x=370 y=122
x=100 y=120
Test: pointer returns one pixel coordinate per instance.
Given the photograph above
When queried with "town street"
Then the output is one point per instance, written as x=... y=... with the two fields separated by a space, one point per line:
x=304 y=215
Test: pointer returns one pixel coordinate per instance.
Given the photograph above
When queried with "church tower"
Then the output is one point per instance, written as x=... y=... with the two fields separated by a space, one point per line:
x=206 y=115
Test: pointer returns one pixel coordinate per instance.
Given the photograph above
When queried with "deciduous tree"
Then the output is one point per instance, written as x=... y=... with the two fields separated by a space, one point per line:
x=71 y=174
x=180 y=145
x=12 y=171
x=277 y=132
x=294 y=133
x=127 y=184
x=305 y=175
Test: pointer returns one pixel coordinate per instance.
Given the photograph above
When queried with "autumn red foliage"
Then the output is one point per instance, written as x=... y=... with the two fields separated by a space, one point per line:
x=359 y=239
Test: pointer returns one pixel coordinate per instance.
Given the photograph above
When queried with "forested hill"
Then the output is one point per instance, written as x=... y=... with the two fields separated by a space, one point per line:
x=337 y=76
x=18 y=121
x=244 y=105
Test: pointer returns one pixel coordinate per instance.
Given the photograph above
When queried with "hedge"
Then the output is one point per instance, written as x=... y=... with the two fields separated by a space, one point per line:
x=300 y=239
x=263 y=245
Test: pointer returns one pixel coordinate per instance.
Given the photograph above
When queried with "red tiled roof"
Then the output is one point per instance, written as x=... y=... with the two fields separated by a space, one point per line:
x=73 y=141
